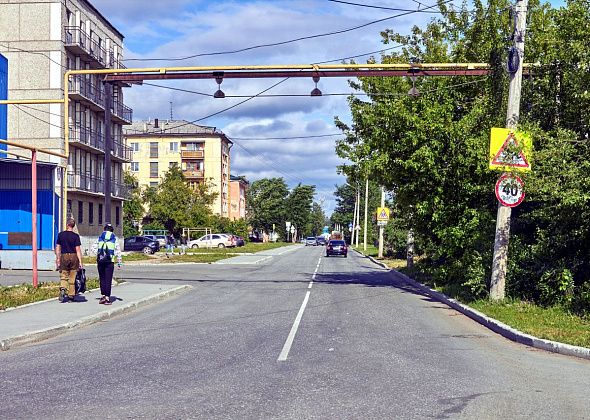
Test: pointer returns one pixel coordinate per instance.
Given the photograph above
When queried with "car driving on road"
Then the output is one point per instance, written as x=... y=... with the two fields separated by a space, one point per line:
x=336 y=247
x=310 y=240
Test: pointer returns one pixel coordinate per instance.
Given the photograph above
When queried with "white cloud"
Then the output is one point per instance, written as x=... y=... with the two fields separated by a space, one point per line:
x=180 y=28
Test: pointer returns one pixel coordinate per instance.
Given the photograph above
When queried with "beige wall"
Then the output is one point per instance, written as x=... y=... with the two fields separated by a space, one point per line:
x=212 y=163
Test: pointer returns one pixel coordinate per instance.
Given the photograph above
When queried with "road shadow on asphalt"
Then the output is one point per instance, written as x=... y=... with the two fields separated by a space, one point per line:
x=392 y=280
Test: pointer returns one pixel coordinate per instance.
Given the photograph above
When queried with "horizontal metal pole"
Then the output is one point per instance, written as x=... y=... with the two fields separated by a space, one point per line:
x=138 y=78
x=30 y=101
x=22 y=146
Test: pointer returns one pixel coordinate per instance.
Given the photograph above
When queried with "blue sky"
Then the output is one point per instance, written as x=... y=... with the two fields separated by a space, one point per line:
x=179 y=28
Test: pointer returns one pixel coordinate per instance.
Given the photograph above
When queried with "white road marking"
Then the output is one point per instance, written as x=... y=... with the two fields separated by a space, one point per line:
x=295 y=327
x=291 y=337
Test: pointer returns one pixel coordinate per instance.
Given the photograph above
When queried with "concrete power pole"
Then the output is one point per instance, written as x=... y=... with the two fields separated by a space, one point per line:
x=358 y=216
x=366 y=213
x=498 y=280
x=381 y=227
x=356 y=203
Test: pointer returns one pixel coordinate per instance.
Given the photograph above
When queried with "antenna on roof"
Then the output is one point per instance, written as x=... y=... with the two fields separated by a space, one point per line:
x=170 y=110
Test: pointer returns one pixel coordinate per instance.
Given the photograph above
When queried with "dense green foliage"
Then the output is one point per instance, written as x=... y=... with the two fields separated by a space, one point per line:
x=270 y=203
x=431 y=151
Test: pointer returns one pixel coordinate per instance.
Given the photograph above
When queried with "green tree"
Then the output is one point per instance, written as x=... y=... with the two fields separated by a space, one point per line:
x=133 y=207
x=317 y=220
x=265 y=204
x=299 y=206
x=431 y=151
x=175 y=204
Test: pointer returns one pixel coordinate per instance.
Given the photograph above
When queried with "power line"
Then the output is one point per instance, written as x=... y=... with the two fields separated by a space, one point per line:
x=385 y=8
x=287 y=138
x=37 y=118
x=274 y=44
x=8 y=47
x=267 y=163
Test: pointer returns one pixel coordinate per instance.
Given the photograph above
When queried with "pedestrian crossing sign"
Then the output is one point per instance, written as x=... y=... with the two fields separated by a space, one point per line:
x=382 y=214
x=510 y=150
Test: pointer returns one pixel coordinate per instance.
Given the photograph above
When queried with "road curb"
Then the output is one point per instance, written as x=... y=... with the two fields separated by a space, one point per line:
x=35 y=336
x=493 y=324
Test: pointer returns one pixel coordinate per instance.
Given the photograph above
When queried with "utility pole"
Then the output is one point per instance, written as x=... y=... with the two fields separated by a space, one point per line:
x=108 y=146
x=366 y=213
x=498 y=280
x=358 y=216
x=353 y=222
x=380 y=255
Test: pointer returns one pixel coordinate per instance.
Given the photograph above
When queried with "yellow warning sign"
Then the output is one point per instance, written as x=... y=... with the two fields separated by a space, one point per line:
x=510 y=150
x=382 y=214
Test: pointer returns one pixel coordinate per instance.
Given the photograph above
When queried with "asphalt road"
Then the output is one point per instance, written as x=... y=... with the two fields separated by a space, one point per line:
x=296 y=336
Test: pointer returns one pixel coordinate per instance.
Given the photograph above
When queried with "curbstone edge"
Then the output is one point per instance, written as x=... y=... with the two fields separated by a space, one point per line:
x=491 y=323
x=36 y=336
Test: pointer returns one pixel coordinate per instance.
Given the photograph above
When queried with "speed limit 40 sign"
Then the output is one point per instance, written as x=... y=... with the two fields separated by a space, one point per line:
x=510 y=190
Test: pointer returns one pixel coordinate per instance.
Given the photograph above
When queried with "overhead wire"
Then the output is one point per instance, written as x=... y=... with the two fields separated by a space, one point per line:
x=395 y=9
x=290 y=41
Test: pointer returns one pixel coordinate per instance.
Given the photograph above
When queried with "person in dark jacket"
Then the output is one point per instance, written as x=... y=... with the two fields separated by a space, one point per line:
x=107 y=243
x=68 y=260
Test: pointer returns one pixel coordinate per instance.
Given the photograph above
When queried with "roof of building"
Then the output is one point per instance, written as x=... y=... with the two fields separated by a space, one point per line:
x=172 y=127
x=106 y=21
x=238 y=178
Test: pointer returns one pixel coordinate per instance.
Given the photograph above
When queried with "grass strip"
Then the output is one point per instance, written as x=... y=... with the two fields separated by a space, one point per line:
x=552 y=323
x=12 y=296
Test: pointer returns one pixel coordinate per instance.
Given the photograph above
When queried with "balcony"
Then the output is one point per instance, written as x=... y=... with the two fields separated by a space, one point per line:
x=95 y=185
x=120 y=190
x=192 y=154
x=80 y=43
x=87 y=138
x=85 y=183
x=82 y=89
x=120 y=150
x=121 y=113
x=193 y=174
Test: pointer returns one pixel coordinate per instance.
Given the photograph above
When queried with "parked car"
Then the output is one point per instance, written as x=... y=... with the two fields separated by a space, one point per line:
x=215 y=240
x=336 y=247
x=240 y=241
x=160 y=238
x=320 y=240
x=311 y=240
x=141 y=243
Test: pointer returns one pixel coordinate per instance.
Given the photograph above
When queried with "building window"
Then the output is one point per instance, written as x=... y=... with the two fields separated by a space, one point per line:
x=90 y=213
x=172 y=165
x=134 y=166
x=154 y=150
x=100 y=214
x=80 y=212
x=135 y=147
x=153 y=184
x=69 y=210
x=153 y=169
x=117 y=216
x=174 y=146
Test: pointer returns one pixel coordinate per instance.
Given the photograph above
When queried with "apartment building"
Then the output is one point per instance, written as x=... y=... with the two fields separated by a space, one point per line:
x=41 y=40
x=237 y=194
x=203 y=154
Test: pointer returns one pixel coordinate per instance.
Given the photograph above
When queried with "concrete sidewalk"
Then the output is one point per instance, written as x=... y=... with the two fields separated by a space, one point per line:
x=41 y=320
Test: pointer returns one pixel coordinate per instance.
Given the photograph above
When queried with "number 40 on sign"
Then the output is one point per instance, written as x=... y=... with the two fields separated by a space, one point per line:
x=510 y=190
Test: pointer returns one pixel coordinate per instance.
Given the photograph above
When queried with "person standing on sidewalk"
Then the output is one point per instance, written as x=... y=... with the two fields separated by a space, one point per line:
x=68 y=260
x=108 y=245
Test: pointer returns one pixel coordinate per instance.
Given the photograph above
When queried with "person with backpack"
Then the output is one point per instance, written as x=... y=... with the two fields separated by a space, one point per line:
x=107 y=248
x=68 y=260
